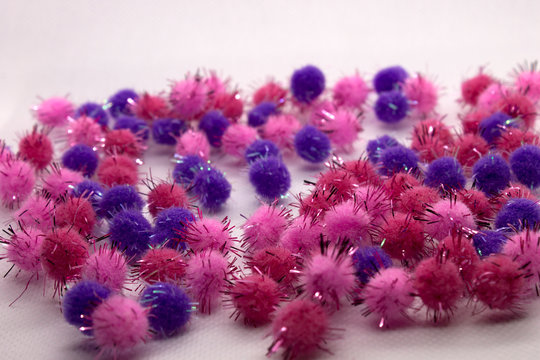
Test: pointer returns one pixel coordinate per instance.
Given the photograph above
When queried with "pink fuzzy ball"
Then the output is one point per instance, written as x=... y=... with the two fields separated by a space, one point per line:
x=188 y=97
x=123 y=142
x=271 y=91
x=315 y=204
x=17 y=181
x=302 y=235
x=473 y=87
x=339 y=184
x=342 y=128
x=117 y=170
x=398 y=183
x=59 y=181
x=319 y=110
x=54 y=111
x=477 y=202
x=347 y=220
x=107 y=267
x=351 y=91
x=389 y=294
x=488 y=99
x=276 y=262
x=84 y=130
x=517 y=105
x=237 y=138
x=363 y=171
x=78 y=213
x=209 y=234
x=513 y=138
x=24 y=249
x=461 y=252
x=524 y=248
x=264 y=227
x=471 y=120
x=5 y=152
x=162 y=265
x=119 y=324
x=431 y=139
x=193 y=143
x=421 y=93
x=280 y=129
x=528 y=83
x=167 y=195
x=36 y=211
x=150 y=107
x=513 y=191
x=230 y=104
x=375 y=200
x=416 y=199
x=469 y=148
x=402 y=237
x=447 y=215
x=36 y=149
x=214 y=84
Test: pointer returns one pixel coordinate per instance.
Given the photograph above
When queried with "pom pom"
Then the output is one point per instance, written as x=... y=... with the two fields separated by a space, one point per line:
x=471 y=120
x=258 y=116
x=117 y=170
x=461 y=252
x=431 y=139
x=525 y=163
x=398 y=183
x=489 y=98
x=376 y=146
x=416 y=199
x=518 y=214
x=211 y=188
x=36 y=211
x=107 y=267
x=513 y=191
x=488 y=242
x=368 y=261
x=389 y=79
x=421 y=93
x=54 y=111
x=169 y=308
x=528 y=83
x=276 y=262
x=469 y=148
x=398 y=159
x=89 y=189
x=280 y=129
x=123 y=141
x=149 y=107
x=84 y=131
x=214 y=125
x=312 y=144
x=375 y=201
x=36 y=149
x=270 y=91
x=209 y=234
x=16 y=181
x=78 y=213
x=523 y=249
x=447 y=215
x=166 y=195
x=307 y=83
x=391 y=107
x=473 y=87
x=351 y=92
x=270 y=177
x=81 y=158
x=347 y=220
x=130 y=232
x=446 y=173
x=260 y=149
x=402 y=237
x=59 y=181
x=237 y=138
x=491 y=174
x=513 y=138
x=342 y=128
x=193 y=143
x=339 y=184
x=517 y=105
x=80 y=301
x=120 y=103
x=264 y=228
x=94 y=111
x=171 y=225
x=362 y=170
x=188 y=97
x=24 y=250
x=493 y=126
x=137 y=126
x=162 y=265
x=187 y=167
x=478 y=203
x=118 y=198
x=302 y=235
x=230 y=104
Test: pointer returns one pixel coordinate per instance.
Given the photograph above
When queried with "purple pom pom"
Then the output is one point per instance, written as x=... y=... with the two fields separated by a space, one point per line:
x=489 y=242
x=375 y=147
x=445 y=171
x=95 y=111
x=261 y=149
x=525 y=162
x=491 y=174
x=307 y=83
x=81 y=158
x=187 y=167
x=492 y=127
x=397 y=159
x=389 y=79
x=130 y=232
x=120 y=102
x=165 y=131
x=391 y=106
x=135 y=125
x=118 y=198
x=259 y=114
x=170 y=226
x=270 y=177
x=518 y=214
x=91 y=190
x=312 y=144
x=211 y=188
x=214 y=124
x=80 y=301
x=368 y=261
x=169 y=308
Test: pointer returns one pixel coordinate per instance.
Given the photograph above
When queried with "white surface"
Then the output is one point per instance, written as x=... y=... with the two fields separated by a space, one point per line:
x=89 y=49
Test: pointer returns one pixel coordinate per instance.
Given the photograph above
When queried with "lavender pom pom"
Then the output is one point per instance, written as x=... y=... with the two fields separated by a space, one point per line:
x=518 y=214
x=119 y=103
x=214 y=124
x=489 y=242
x=445 y=172
x=389 y=79
x=259 y=114
x=95 y=111
x=261 y=149
x=525 y=163
x=491 y=174
x=492 y=127
x=187 y=167
x=91 y=190
x=375 y=147
x=312 y=144
x=397 y=159
x=391 y=107
x=118 y=198
x=170 y=226
x=81 y=158
x=307 y=83
x=165 y=131
x=368 y=261
x=211 y=188
x=130 y=232
x=270 y=177
x=135 y=125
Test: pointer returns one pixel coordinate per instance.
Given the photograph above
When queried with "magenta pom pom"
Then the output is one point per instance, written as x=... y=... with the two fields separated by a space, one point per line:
x=36 y=148
x=280 y=129
x=276 y=262
x=59 y=181
x=162 y=265
x=469 y=148
x=461 y=252
x=375 y=200
x=302 y=235
x=77 y=212
x=347 y=220
x=472 y=88
x=351 y=92
x=166 y=195
x=271 y=91
x=264 y=227
x=150 y=107
x=342 y=128
x=528 y=83
x=490 y=97
x=17 y=181
x=86 y=131
x=447 y=215
x=237 y=138
x=209 y=234
x=421 y=93
x=524 y=249
x=193 y=143
x=402 y=237
x=123 y=141
x=117 y=170
x=188 y=97
x=36 y=211
x=24 y=249
x=107 y=267
x=54 y=111
x=416 y=199
x=518 y=106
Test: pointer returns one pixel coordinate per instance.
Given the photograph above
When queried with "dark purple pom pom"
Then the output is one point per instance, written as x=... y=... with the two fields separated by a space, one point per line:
x=376 y=146
x=368 y=261
x=489 y=242
x=525 y=162
x=81 y=158
x=137 y=126
x=187 y=167
x=270 y=177
x=130 y=232
x=391 y=106
x=261 y=149
x=397 y=159
x=390 y=78
x=214 y=124
x=165 y=131
x=169 y=308
x=211 y=188
x=445 y=171
x=491 y=174
x=120 y=101
x=260 y=113
x=80 y=301
x=89 y=189
x=95 y=111
x=492 y=127
x=519 y=214
x=118 y=198
x=307 y=83
x=312 y=144
x=170 y=226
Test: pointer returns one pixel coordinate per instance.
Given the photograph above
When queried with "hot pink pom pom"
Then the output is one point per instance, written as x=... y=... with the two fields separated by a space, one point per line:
x=302 y=235
x=431 y=139
x=389 y=295
x=402 y=237
x=318 y=111
x=347 y=220
x=490 y=97
x=280 y=129
x=107 y=267
x=338 y=184
x=342 y=128
x=149 y=107
x=461 y=252
x=270 y=91
x=162 y=265
x=524 y=248
x=214 y=84
x=528 y=83
x=78 y=213
x=469 y=148
x=123 y=141
x=421 y=93
x=230 y=105
x=36 y=212
x=513 y=191
x=375 y=200
x=351 y=91
x=513 y=138
x=209 y=234
x=518 y=105
x=5 y=152
x=473 y=87
x=314 y=205
x=447 y=215
x=265 y=226
x=54 y=111
x=193 y=143
x=237 y=138
x=398 y=183
x=119 y=324
x=471 y=120
x=363 y=171
x=17 y=181
x=188 y=97
x=478 y=204
x=84 y=130
x=36 y=149
x=276 y=262
x=117 y=170
x=59 y=181
x=166 y=195
x=416 y=199
x=24 y=249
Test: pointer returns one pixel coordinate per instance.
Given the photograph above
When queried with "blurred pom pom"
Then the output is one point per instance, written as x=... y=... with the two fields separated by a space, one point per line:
x=209 y=234
x=275 y=262
x=469 y=148
x=166 y=195
x=237 y=138
x=491 y=174
x=390 y=79
x=471 y=120
x=376 y=146
x=351 y=91
x=445 y=173
x=447 y=215
x=523 y=248
x=369 y=261
x=35 y=212
x=94 y=111
x=84 y=130
x=302 y=235
x=130 y=233
x=431 y=139
x=162 y=264
x=150 y=107
x=421 y=93
x=211 y=188
x=489 y=98
x=17 y=181
x=493 y=126
x=117 y=170
x=307 y=83
x=265 y=226
x=214 y=125
x=473 y=87
x=398 y=159
x=512 y=139
x=187 y=167
x=36 y=148
x=391 y=107
x=517 y=105
x=525 y=163
x=76 y=212
x=59 y=181
x=488 y=242
x=270 y=177
x=416 y=199
x=311 y=144
x=193 y=143
x=528 y=83
x=402 y=237
x=120 y=102
x=280 y=129
x=230 y=104
x=137 y=126
x=89 y=189
x=518 y=214
x=118 y=198
x=342 y=128
x=363 y=171
x=271 y=91
x=261 y=149
x=123 y=141
x=81 y=158
x=170 y=227
x=258 y=116
x=107 y=267
x=347 y=221
x=188 y=97
x=54 y=111
x=24 y=249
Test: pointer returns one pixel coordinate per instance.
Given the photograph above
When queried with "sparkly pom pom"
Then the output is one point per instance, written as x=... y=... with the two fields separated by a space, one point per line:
x=368 y=261
x=416 y=199
x=162 y=265
x=447 y=215
x=258 y=116
x=523 y=248
x=391 y=107
x=123 y=141
x=280 y=129
x=270 y=177
x=265 y=226
x=94 y=111
x=347 y=221
x=390 y=78
x=376 y=146
x=398 y=183
x=118 y=198
x=187 y=167
x=211 y=188
x=302 y=235
x=84 y=130
x=36 y=211
x=188 y=97
x=471 y=120
x=490 y=97
x=209 y=234
x=165 y=195
x=170 y=227
x=512 y=139
x=270 y=91
x=375 y=200
x=307 y=83
x=81 y=158
x=342 y=128
x=149 y=107
x=525 y=163
x=312 y=144
x=89 y=189
x=17 y=181
x=137 y=126
x=230 y=104
x=237 y=138
x=36 y=148
x=398 y=159
x=120 y=103
x=518 y=214
x=479 y=205
x=193 y=143
x=260 y=149
x=59 y=181
x=421 y=93
x=517 y=105
x=528 y=83
x=431 y=139
x=493 y=126
x=214 y=125
x=513 y=191
x=76 y=212
x=402 y=237
x=276 y=262
x=351 y=91
x=54 y=111
x=24 y=249
x=473 y=87
x=130 y=232
x=117 y=170
x=491 y=174
x=469 y=148
x=489 y=242
x=461 y=252
x=107 y=267
x=445 y=173
x=339 y=184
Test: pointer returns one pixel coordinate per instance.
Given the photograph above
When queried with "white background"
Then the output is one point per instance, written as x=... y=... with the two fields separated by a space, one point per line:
x=89 y=49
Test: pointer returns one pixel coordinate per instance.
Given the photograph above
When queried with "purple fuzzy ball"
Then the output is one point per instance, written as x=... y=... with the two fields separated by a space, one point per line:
x=79 y=303
x=492 y=127
x=376 y=146
x=445 y=172
x=95 y=111
x=307 y=83
x=135 y=125
x=489 y=242
x=259 y=114
x=261 y=149
x=518 y=214
x=169 y=308
x=165 y=131
x=368 y=261
x=130 y=232
x=525 y=163
x=389 y=79
x=120 y=102
x=311 y=144
x=91 y=190
x=170 y=226
x=397 y=159
x=270 y=177
x=187 y=167
x=214 y=124
x=81 y=158
x=391 y=106
x=118 y=198
x=491 y=174
x=211 y=188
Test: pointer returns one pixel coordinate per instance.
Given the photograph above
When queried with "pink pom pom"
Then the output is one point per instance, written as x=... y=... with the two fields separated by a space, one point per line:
x=347 y=220
x=117 y=170
x=447 y=215
x=402 y=237
x=513 y=138
x=461 y=252
x=363 y=171
x=150 y=107
x=490 y=97
x=24 y=249
x=469 y=148
x=59 y=181
x=123 y=141
x=338 y=184
x=54 y=111
x=473 y=87
x=518 y=105
x=523 y=248
x=17 y=181
x=421 y=93
x=166 y=195
x=188 y=97
x=276 y=262
x=270 y=91
x=398 y=183
x=119 y=324
x=431 y=139
x=478 y=204
x=214 y=85
x=78 y=213
x=389 y=295
x=107 y=267
x=84 y=130
x=5 y=152
x=528 y=83
x=162 y=265
x=230 y=105
x=351 y=91
x=416 y=199
x=237 y=138
x=471 y=120
x=342 y=128
x=513 y=191
x=209 y=234
x=302 y=235
x=375 y=200
x=280 y=129
x=36 y=148
x=319 y=110
x=315 y=204
x=193 y=143
x=265 y=226
x=36 y=212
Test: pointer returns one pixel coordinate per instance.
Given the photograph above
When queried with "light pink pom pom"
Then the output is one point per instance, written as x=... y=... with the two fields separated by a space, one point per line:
x=193 y=143
x=264 y=228
x=525 y=249
x=237 y=138
x=342 y=128
x=107 y=267
x=350 y=91
x=347 y=220
x=528 y=83
x=60 y=180
x=375 y=200
x=302 y=235
x=119 y=324
x=422 y=94
x=280 y=129
x=24 y=249
x=17 y=181
x=188 y=97
x=489 y=98
x=389 y=294
x=84 y=130
x=36 y=212
x=54 y=111
x=209 y=234
x=446 y=215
